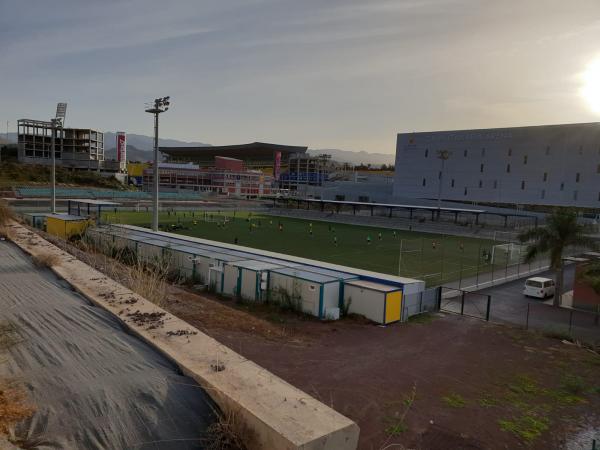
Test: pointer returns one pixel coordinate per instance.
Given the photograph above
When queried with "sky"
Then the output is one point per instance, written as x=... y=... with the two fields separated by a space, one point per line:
x=347 y=74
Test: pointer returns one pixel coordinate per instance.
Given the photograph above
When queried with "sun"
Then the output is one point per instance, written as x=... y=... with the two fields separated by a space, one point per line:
x=590 y=90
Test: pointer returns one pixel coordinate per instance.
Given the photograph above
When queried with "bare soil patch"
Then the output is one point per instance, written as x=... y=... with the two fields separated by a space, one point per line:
x=447 y=382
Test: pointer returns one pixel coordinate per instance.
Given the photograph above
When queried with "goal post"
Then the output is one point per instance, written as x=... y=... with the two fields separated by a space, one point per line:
x=510 y=253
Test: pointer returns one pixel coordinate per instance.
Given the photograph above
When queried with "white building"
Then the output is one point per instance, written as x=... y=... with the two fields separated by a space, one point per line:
x=543 y=165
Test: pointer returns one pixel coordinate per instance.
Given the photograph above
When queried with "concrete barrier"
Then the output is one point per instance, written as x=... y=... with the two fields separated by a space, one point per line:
x=274 y=414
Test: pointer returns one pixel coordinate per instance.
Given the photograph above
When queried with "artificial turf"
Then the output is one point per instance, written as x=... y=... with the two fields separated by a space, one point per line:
x=433 y=257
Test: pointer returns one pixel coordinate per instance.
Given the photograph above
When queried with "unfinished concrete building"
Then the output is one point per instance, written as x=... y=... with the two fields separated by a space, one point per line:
x=76 y=148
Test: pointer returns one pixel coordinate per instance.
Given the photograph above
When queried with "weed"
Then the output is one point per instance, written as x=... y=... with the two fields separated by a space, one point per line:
x=46 y=260
x=559 y=334
x=421 y=318
x=524 y=385
x=572 y=384
x=228 y=432
x=488 y=401
x=527 y=426
x=398 y=422
x=454 y=400
x=6 y=213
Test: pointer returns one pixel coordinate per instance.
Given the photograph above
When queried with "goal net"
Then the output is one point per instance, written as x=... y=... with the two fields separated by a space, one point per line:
x=507 y=254
x=218 y=218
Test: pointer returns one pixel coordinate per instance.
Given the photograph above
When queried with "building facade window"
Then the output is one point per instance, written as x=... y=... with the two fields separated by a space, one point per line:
x=481 y=168
x=545 y=176
x=426 y=153
x=483 y=151
x=465 y=191
x=581 y=149
x=577 y=177
x=510 y=152
x=543 y=194
x=562 y=186
x=480 y=184
x=495 y=184
x=525 y=159
x=508 y=168
x=523 y=185
x=452 y=183
x=575 y=195
x=424 y=182
x=466 y=152
x=598 y=169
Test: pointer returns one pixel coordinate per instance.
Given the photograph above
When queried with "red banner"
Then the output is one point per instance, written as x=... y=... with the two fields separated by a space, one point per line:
x=121 y=147
x=277 y=167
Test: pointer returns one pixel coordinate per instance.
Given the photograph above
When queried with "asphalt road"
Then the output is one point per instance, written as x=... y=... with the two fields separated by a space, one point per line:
x=510 y=305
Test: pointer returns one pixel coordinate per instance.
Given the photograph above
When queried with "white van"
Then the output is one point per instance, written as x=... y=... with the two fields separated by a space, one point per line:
x=539 y=287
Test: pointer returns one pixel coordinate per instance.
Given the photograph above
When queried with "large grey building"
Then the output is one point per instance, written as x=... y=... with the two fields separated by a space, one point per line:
x=75 y=148
x=538 y=165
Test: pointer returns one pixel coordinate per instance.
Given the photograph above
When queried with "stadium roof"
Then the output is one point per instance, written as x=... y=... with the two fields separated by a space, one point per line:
x=254 y=149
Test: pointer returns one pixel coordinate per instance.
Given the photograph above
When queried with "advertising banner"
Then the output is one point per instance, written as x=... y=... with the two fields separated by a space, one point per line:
x=121 y=147
x=277 y=167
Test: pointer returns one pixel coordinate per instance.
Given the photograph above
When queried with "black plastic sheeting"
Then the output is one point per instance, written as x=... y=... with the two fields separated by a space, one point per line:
x=94 y=385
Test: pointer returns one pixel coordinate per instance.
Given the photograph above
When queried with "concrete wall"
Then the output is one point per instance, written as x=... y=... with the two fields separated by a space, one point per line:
x=546 y=165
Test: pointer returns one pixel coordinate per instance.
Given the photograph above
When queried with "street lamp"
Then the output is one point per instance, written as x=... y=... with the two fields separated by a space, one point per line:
x=159 y=105
x=56 y=123
x=442 y=155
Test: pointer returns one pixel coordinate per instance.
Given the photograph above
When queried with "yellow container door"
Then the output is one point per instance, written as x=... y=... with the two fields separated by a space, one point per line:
x=393 y=306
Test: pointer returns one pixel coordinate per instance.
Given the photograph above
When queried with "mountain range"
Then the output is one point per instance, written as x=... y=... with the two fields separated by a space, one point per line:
x=139 y=148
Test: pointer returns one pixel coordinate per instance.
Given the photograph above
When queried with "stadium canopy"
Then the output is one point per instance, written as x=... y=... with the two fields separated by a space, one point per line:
x=410 y=208
x=241 y=151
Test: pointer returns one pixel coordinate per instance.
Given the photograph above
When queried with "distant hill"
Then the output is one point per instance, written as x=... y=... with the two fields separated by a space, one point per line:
x=141 y=142
x=361 y=157
x=133 y=154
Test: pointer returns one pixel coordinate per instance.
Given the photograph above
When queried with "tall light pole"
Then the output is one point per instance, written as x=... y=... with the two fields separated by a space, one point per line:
x=159 y=105
x=56 y=123
x=443 y=155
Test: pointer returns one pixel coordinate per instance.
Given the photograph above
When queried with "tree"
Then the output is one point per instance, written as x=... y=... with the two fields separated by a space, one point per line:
x=562 y=230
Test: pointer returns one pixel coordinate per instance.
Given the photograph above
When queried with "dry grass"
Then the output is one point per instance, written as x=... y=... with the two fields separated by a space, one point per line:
x=46 y=260
x=228 y=432
x=13 y=398
x=7 y=232
x=6 y=214
x=14 y=406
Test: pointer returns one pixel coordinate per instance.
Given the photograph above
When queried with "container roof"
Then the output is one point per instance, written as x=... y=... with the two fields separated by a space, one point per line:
x=298 y=272
x=66 y=217
x=254 y=264
x=372 y=285
x=253 y=149
x=90 y=201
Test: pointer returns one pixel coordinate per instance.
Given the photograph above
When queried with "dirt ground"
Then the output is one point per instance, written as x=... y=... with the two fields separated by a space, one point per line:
x=442 y=382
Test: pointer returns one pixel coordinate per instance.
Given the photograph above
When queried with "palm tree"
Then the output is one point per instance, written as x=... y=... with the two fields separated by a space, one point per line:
x=562 y=230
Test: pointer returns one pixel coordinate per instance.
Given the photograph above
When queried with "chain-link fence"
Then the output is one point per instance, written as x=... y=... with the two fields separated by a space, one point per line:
x=420 y=302
x=465 y=303
x=564 y=322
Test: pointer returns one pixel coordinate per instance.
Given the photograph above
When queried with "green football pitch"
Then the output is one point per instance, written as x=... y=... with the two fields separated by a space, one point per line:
x=435 y=258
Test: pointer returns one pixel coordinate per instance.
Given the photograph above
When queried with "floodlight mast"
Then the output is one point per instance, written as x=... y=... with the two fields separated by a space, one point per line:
x=159 y=105
x=443 y=155
x=56 y=123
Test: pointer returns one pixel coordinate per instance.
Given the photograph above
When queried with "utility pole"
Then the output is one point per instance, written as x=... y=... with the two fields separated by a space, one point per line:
x=443 y=155
x=56 y=123
x=159 y=105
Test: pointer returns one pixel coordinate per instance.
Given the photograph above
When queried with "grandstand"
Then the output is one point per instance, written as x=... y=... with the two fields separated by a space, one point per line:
x=91 y=193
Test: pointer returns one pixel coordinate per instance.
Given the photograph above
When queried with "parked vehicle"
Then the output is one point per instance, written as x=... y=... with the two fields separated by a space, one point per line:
x=539 y=287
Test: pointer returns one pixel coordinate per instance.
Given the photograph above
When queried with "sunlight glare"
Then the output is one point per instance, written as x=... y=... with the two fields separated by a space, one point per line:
x=591 y=85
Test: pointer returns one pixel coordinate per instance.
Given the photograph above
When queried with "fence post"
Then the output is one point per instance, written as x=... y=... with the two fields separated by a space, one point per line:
x=462 y=303
x=487 y=312
x=571 y=323
x=420 y=302
x=527 y=317
x=439 y=298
